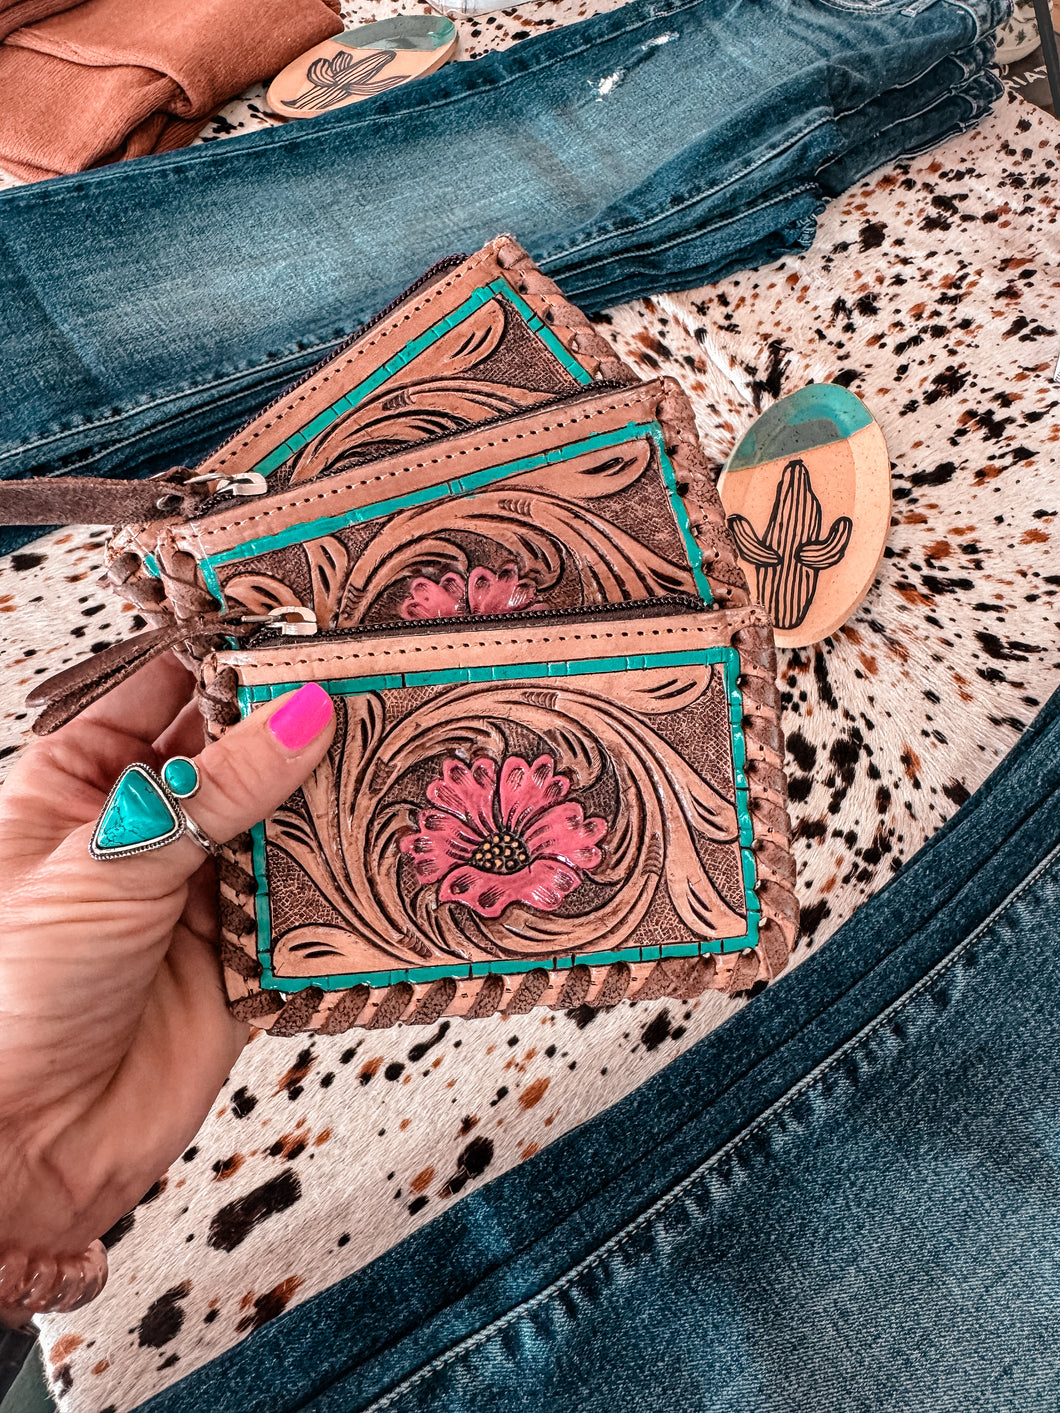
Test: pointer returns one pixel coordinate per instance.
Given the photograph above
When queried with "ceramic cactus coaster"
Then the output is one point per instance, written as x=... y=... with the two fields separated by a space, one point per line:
x=361 y=63
x=807 y=496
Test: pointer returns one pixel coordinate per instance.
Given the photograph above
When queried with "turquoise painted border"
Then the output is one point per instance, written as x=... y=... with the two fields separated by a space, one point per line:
x=401 y=359
x=412 y=350
x=728 y=658
x=463 y=485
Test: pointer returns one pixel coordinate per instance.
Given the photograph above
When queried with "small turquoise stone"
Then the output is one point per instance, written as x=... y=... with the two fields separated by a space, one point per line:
x=181 y=776
x=137 y=813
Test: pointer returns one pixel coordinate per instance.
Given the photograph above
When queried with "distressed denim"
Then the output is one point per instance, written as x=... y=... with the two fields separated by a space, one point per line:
x=846 y=1199
x=146 y=309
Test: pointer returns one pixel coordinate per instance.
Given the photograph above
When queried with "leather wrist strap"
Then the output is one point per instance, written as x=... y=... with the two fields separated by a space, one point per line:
x=90 y=500
x=70 y=691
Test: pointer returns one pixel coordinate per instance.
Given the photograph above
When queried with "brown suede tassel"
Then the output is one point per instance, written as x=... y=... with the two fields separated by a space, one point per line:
x=70 y=691
x=90 y=500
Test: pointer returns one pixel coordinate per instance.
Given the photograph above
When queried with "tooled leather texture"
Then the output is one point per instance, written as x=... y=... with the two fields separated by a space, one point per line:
x=486 y=366
x=489 y=365
x=578 y=528
x=596 y=811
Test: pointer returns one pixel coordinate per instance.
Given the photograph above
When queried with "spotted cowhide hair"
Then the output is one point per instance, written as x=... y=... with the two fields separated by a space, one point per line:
x=933 y=292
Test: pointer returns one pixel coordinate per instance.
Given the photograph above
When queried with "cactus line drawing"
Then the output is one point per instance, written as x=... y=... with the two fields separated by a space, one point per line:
x=345 y=76
x=791 y=555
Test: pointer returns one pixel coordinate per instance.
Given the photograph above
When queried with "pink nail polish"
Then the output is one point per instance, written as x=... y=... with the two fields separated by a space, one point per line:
x=302 y=717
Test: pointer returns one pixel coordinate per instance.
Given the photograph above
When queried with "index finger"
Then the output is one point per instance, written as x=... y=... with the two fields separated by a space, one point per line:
x=72 y=770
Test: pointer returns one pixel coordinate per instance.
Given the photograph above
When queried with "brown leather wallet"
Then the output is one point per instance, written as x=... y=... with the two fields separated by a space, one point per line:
x=557 y=777
x=596 y=498
x=532 y=810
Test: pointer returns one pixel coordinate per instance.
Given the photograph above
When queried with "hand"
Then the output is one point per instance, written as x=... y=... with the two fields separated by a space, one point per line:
x=114 y=1034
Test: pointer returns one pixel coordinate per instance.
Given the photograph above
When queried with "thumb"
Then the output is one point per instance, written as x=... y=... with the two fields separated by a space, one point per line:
x=243 y=778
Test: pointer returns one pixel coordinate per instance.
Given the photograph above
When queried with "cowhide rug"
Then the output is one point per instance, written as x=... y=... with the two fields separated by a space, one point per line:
x=932 y=291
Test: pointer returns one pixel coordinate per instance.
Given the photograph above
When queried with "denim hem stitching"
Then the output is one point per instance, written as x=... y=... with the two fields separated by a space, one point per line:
x=764 y=1119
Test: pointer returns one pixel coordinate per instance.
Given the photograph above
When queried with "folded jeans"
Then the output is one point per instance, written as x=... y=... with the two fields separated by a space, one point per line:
x=255 y=255
x=781 y=222
x=689 y=193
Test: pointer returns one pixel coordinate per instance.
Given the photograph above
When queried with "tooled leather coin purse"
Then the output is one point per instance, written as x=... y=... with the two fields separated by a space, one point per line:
x=557 y=776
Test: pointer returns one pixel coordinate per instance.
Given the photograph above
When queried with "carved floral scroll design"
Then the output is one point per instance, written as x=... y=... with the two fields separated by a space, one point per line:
x=448 y=401
x=493 y=834
x=349 y=829
x=537 y=531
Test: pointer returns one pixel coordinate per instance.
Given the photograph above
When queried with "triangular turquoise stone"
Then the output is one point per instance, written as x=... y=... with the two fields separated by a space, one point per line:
x=138 y=813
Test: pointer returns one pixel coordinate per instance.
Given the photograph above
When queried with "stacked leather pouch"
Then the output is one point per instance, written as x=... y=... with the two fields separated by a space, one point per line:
x=557 y=776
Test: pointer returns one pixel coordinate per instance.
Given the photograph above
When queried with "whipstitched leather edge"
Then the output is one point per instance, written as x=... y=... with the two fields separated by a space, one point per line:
x=125 y=571
x=697 y=486
x=183 y=593
x=565 y=319
x=375 y=1008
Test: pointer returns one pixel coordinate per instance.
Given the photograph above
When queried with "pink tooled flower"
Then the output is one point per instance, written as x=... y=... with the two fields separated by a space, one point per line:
x=491 y=844
x=482 y=592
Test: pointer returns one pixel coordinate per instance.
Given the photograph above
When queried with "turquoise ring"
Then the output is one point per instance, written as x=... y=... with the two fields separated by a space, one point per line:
x=143 y=811
x=182 y=777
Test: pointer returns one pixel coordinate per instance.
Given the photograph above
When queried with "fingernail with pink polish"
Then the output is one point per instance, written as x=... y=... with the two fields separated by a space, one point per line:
x=302 y=717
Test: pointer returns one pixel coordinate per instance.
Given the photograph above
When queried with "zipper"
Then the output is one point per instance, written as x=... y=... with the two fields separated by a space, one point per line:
x=68 y=692
x=429 y=277
x=299 y=622
x=215 y=501
x=244 y=483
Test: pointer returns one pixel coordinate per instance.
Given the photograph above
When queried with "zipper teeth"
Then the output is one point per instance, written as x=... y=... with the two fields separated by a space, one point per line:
x=428 y=277
x=221 y=501
x=689 y=603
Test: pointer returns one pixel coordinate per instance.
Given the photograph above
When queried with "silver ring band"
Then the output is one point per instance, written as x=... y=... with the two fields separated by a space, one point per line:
x=200 y=836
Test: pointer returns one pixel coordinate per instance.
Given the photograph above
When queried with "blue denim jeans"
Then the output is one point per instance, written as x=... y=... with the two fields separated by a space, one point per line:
x=146 y=309
x=846 y=1198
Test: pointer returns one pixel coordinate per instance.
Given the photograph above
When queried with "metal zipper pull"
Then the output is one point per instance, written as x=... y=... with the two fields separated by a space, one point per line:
x=244 y=483
x=288 y=620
